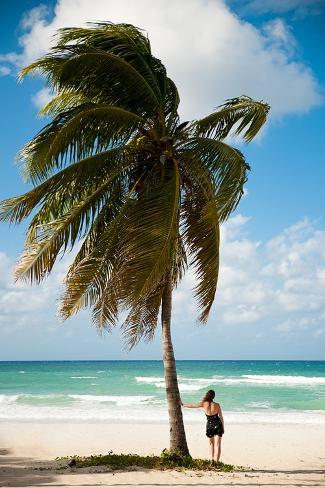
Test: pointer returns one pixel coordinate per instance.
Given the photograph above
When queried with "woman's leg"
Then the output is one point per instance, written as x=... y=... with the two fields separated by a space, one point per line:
x=218 y=449
x=211 y=442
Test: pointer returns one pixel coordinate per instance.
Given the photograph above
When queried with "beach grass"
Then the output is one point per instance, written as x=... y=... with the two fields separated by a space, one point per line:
x=163 y=462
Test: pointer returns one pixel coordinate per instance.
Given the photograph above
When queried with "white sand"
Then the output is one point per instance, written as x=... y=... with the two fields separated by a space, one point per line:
x=281 y=455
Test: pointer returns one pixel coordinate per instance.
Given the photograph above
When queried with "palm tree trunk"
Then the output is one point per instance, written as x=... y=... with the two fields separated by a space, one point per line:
x=177 y=431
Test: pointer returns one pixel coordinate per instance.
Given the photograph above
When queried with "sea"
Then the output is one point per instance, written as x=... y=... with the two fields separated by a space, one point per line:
x=134 y=391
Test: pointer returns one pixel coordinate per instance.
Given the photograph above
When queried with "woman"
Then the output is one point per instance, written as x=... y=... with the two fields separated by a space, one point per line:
x=215 y=423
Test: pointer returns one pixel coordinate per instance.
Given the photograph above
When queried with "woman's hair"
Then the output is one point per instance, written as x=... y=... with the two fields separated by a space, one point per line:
x=209 y=396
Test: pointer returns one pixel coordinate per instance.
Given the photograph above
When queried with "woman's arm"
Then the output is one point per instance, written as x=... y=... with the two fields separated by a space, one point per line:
x=192 y=405
x=221 y=416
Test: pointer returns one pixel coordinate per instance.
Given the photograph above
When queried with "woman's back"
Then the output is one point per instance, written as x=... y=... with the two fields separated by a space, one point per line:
x=211 y=408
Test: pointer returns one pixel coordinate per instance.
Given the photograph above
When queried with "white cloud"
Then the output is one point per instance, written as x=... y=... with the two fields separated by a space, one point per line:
x=25 y=306
x=258 y=295
x=4 y=71
x=318 y=332
x=33 y=16
x=5 y=265
x=280 y=36
x=276 y=284
x=235 y=226
x=22 y=301
x=284 y=276
x=241 y=314
x=210 y=52
x=42 y=97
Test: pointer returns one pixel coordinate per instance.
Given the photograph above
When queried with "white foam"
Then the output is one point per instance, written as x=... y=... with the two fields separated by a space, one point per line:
x=277 y=417
x=8 y=398
x=284 y=380
x=196 y=384
x=261 y=380
x=202 y=381
x=119 y=400
x=143 y=409
x=186 y=384
x=188 y=387
x=89 y=411
x=21 y=372
x=150 y=380
x=31 y=396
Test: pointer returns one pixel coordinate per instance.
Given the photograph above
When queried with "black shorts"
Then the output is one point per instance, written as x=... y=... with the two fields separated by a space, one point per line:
x=212 y=431
x=214 y=427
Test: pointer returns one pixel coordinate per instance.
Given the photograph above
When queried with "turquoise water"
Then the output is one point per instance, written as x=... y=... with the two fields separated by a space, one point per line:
x=249 y=391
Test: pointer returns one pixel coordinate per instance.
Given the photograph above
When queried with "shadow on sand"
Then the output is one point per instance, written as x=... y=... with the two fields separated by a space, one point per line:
x=22 y=471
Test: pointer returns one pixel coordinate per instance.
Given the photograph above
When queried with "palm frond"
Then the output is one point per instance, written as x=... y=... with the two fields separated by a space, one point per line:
x=106 y=309
x=49 y=67
x=123 y=40
x=153 y=224
x=98 y=260
x=171 y=105
x=48 y=240
x=200 y=222
x=91 y=273
x=70 y=138
x=180 y=265
x=227 y=170
x=122 y=84
x=64 y=101
x=241 y=114
x=65 y=185
x=142 y=320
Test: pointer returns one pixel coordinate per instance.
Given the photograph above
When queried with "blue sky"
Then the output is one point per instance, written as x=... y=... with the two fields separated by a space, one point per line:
x=270 y=302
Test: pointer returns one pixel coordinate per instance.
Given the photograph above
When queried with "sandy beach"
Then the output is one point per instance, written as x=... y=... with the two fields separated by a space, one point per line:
x=280 y=455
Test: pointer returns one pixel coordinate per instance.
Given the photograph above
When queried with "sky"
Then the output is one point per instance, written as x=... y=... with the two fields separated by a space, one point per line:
x=270 y=302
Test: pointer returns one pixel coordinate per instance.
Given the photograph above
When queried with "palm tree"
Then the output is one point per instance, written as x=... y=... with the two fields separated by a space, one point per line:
x=142 y=193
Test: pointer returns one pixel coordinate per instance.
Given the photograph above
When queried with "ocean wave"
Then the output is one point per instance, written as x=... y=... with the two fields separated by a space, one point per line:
x=57 y=399
x=119 y=400
x=261 y=405
x=32 y=399
x=191 y=384
x=261 y=380
x=83 y=377
x=67 y=400
x=196 y=384
x=83 y=411
x=284 y=380
x=8 y=398
x=150 y=380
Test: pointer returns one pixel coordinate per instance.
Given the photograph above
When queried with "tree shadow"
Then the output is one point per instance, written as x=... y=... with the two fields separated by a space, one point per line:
x=27 y=472
x=21 y=471
x=5 y=452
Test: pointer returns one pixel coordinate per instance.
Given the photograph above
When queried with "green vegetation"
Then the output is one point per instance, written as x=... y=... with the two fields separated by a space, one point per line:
x=142 y=193
x=167 y=460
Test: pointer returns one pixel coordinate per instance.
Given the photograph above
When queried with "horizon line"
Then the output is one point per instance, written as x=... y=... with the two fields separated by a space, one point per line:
x=135 y=360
